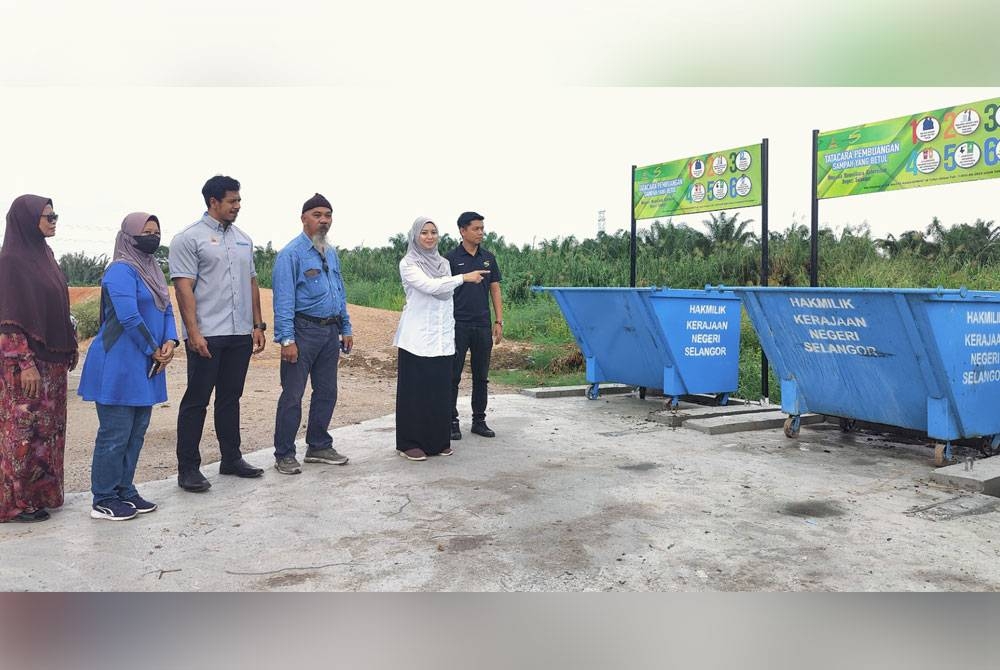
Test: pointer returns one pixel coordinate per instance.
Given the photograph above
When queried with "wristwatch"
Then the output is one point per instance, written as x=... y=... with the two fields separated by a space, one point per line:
x=499 y=323
x=285 y=342
x=260 y=326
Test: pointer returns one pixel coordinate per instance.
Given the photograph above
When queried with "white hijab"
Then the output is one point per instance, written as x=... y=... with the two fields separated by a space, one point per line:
x=432 y=263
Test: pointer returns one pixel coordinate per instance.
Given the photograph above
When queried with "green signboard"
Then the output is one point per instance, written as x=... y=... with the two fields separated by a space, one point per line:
x=944 y=146
x=719 y=180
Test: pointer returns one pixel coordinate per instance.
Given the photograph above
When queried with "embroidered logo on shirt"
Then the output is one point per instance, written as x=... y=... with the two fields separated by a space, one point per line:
x=214 y=240
x=486 y=264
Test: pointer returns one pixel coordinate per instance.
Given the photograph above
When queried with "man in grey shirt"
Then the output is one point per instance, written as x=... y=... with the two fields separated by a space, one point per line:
x=211 y=265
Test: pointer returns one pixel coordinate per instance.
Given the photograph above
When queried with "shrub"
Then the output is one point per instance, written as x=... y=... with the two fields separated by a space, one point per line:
x=88 y=317
x=83 y=270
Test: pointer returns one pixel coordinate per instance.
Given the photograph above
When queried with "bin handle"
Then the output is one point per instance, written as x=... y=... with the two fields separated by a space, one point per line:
x=961 y=290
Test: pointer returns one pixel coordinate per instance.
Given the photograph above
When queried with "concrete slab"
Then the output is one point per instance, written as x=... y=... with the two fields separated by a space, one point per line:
x=687 y=411
x=573 y=391
x=953 y=508
x=981 y=475
x=712 y=400
x=572 y=495
x=721 y=425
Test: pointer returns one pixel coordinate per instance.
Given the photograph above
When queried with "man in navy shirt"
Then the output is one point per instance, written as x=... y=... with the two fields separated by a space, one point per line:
x=312 y=326
x=475 y=331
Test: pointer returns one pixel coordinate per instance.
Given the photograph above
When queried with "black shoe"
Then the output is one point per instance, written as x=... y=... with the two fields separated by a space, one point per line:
x=30 y=517
x=480 y=428
x=456 y=432
x=193 y=481
x=240 y=468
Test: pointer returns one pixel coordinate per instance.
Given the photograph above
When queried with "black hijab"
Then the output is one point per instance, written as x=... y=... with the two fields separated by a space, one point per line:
x=34 y=297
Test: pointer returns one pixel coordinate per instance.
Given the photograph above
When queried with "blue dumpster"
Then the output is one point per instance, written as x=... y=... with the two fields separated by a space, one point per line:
x=680 y=341
x=924 y=359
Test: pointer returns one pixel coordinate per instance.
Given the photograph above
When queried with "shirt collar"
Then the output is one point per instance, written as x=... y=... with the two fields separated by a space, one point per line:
x=466 y=251
x=304 y=239
x=212 y=223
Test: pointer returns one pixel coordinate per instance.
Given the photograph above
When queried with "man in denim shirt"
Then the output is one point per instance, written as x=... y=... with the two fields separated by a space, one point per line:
x=312 y=325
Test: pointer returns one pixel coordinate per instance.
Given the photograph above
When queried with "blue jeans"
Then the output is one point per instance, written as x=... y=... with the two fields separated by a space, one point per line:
x=319 y=352
x=116 y=450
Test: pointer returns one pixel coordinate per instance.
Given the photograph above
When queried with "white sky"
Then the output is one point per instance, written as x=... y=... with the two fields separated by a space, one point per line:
x=441 y=106
x=536 y=162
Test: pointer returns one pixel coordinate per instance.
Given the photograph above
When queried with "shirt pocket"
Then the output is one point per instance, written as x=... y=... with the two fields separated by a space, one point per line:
x=335 y=280
x=314 y=281
x=243 y=258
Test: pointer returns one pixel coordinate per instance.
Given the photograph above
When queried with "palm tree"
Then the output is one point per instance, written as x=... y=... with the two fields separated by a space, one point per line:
x=976 y=243
x=399 y=244
x=725 y=231
x=668 y=240
x=909 y=243
x=789 y=260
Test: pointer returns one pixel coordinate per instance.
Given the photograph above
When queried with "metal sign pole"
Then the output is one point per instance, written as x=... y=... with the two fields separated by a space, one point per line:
x=814 y=232
x=765 y=264
x=632 y=245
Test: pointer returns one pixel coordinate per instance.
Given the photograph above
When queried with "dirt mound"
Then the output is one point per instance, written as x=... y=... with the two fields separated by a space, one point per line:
x=78 y=294
x=511 y=355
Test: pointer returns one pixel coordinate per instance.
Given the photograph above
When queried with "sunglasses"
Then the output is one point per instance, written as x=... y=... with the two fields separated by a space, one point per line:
x=51 y=217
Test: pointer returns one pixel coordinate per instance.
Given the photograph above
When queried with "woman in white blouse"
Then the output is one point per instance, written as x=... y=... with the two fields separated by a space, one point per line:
x=426 y=341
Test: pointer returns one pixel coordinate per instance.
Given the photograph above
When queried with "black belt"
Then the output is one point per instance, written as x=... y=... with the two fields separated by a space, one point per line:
x=321 y=321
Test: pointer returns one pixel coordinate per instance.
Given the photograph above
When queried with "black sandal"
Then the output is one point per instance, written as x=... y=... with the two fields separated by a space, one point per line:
x=31 y=517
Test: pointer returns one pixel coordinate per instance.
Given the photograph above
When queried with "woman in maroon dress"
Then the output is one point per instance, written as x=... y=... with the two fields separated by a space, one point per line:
x=37 y=349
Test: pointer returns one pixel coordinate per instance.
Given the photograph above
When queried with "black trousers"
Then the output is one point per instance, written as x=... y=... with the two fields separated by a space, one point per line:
x=422 y=402
x=479 y=341
x=225 y=373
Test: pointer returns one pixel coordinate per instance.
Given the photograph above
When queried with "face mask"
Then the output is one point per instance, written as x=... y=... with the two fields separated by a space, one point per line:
x=147 y=244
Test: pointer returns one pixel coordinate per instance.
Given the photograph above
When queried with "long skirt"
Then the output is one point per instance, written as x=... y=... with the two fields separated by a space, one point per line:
x=32 y=439
x=423 y=402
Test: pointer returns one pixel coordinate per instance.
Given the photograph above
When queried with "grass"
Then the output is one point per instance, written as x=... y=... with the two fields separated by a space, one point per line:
x=536 y=378
x=380 y=294
x=88 y=316
x=537 y=320
x=749 y=376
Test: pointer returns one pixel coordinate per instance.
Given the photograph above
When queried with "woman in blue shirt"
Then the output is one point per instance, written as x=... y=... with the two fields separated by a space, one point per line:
x=123 y=371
